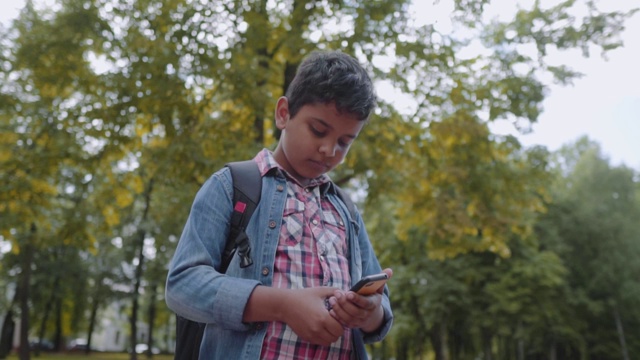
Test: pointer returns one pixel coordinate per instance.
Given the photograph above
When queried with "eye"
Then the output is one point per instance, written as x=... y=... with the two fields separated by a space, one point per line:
x=344 y=143
x=317 y=132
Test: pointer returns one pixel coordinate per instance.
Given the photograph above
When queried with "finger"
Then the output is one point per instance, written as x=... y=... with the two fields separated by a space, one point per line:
x=324 y=293
x=345 y=321
x=349 y=302
x=363 y=302
x=343 y=311
x=348 y=314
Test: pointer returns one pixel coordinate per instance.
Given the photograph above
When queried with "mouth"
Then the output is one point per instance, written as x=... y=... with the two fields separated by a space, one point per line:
x=319 y=165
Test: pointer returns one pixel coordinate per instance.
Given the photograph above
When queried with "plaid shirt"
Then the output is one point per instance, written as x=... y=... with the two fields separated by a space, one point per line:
x=312 y=252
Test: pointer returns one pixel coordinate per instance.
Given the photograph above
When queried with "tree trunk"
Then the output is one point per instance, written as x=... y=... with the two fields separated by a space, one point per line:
x=439 y=341
x=92 y=321
x=384 y=351
x=136 y=289
x=258 y=121
x=9 y=327
x=169 y=326
x=289 y=73
x=45 y=316
x=520 y=342
x=152 y=318
x=261 y=80
x=142 y=233
x=25 y=282
x=486 y=344
x=6 y=336
x=402 y=351
x=520 y=349
x=621 y=337
x=57 y=340
x=553 y=355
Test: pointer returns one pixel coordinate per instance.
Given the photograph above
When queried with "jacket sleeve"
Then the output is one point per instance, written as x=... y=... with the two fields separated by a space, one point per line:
x=370 y=265
x=195 y=289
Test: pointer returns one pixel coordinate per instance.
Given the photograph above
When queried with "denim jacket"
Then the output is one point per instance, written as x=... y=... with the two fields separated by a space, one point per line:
x=197 y=291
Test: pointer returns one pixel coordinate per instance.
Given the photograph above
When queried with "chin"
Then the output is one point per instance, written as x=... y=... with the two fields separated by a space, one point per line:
x=314 y=174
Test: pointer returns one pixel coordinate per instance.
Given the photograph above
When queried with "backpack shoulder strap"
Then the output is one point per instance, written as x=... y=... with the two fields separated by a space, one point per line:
x=247 y=188
x=246 y=179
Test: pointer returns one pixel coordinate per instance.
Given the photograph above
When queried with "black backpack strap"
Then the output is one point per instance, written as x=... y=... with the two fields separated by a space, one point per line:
x=247 y=188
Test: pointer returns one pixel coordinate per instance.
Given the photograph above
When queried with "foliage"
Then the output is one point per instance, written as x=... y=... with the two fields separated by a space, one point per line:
x=114 y=113
x=597 y=238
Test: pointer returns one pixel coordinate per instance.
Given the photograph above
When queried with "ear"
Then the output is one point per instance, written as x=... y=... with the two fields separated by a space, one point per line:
x=282 y=112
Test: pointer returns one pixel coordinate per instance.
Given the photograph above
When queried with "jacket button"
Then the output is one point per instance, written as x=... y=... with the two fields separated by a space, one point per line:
x=280 y=188
x=259 y=326
x=265 y=271
x=272 y=224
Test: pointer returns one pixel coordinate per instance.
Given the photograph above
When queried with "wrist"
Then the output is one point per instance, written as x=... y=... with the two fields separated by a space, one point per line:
x=267 y=304
x=376 y=321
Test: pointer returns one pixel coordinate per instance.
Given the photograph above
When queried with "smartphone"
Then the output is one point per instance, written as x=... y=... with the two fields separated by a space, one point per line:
x=370 y=284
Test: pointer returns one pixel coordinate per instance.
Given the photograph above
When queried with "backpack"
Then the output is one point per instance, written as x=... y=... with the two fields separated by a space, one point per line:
x=247 y=187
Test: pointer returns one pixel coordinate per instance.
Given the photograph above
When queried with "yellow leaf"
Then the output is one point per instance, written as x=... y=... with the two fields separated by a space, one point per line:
x=111 y=216
x=5 y=156
x=124 y=198
x=5 y=233
x=42 y=187
x=137 y=185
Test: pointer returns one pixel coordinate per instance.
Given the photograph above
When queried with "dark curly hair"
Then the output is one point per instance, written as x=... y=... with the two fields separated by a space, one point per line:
x=332 y=77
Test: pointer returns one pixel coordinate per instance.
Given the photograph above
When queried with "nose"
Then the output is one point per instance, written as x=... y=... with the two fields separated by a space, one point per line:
x=328 y=148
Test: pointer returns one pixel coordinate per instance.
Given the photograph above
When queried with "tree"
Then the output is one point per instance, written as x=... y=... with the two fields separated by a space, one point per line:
x=35 y=121
x=593 y=214
x=127 y=107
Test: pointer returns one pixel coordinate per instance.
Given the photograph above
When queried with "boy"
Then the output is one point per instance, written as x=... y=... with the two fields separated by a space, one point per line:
x=293 y=302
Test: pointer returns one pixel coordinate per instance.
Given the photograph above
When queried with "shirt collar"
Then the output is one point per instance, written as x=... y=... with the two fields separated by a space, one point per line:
x=267 y=163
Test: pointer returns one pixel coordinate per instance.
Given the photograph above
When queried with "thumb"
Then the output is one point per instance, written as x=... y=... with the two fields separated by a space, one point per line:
x=389 y=273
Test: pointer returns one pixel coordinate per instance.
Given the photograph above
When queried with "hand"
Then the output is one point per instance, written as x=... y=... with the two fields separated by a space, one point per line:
x=306 y=313
x=358 y=311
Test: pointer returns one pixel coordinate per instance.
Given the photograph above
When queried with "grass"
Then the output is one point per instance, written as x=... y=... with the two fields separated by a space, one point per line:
x=92 y=356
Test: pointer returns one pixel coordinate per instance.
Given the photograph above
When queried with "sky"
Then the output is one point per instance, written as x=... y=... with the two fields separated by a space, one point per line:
x=604 y=104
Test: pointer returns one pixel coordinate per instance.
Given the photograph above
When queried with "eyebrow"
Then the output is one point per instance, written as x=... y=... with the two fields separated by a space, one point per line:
x=326 y=124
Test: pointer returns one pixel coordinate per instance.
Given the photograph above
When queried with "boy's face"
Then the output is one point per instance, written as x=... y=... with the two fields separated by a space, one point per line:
x=315 y=141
